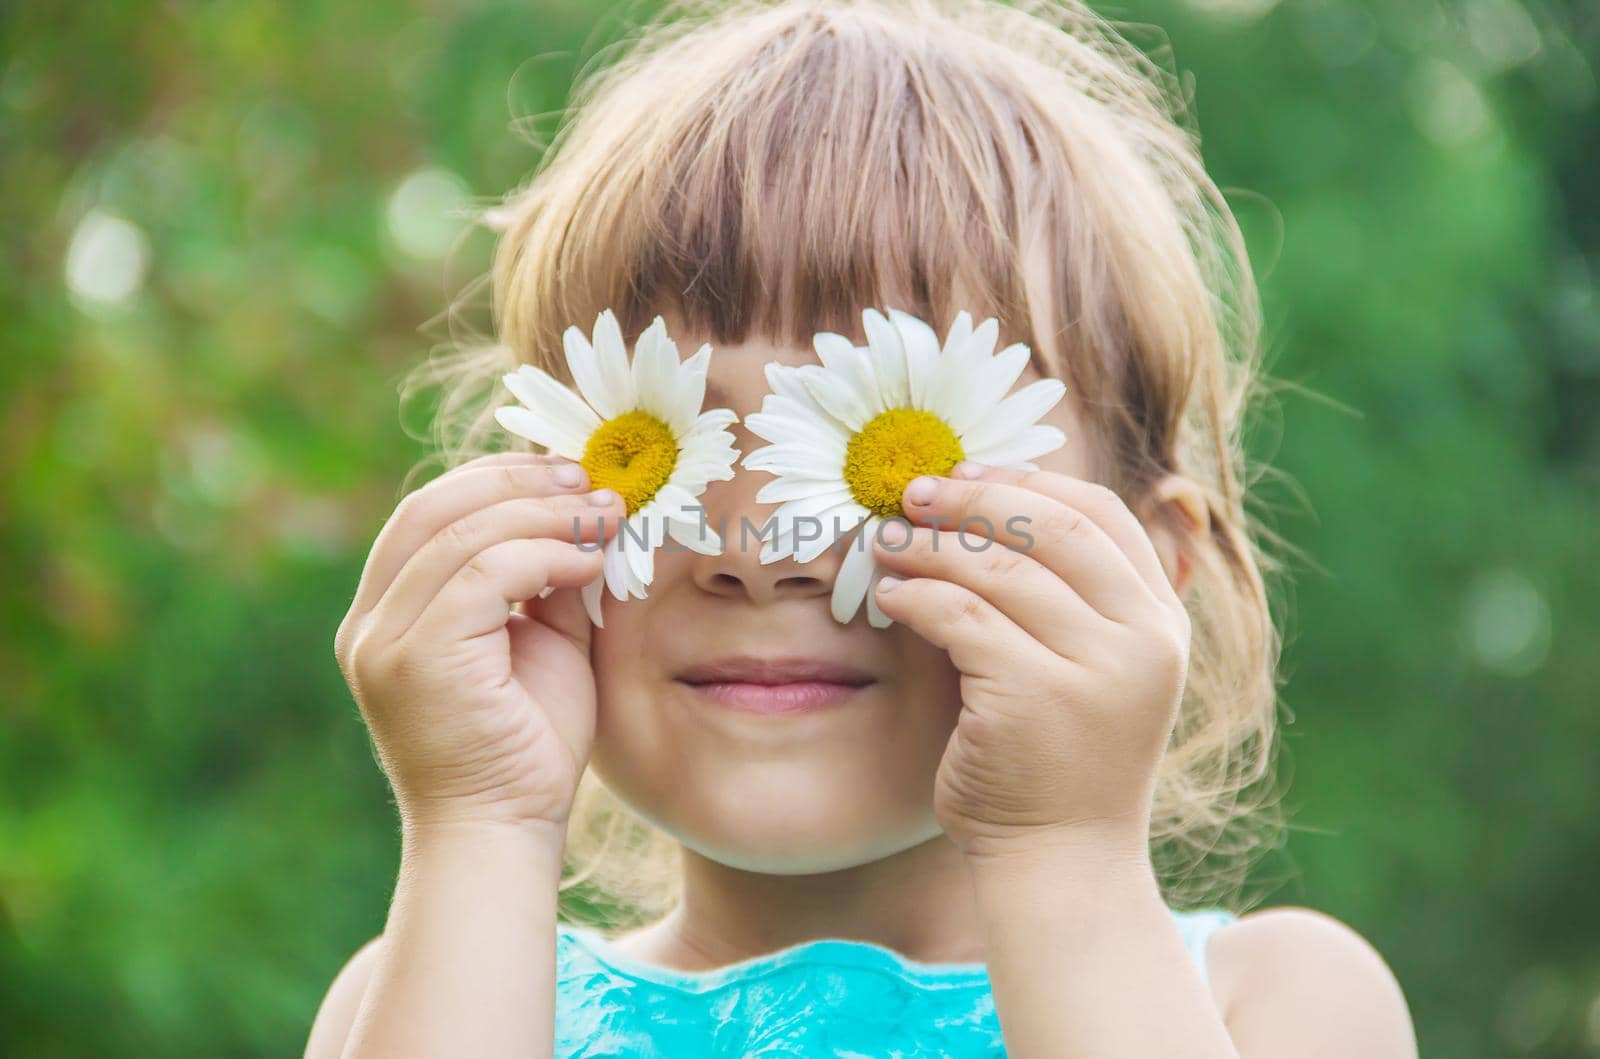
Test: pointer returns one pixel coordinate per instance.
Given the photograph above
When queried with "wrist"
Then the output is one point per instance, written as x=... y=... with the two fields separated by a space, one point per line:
x=1109 y=841
x=1093 y=860
x=1069 y=902
x=476 y=815
x=541 y=840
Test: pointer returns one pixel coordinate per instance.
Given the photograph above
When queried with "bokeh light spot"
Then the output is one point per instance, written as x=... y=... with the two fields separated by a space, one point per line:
x=1507 y=623
x=106 y=260
x=422 y=214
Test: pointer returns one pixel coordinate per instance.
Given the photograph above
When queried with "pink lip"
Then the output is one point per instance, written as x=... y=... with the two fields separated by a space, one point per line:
x=776 y=685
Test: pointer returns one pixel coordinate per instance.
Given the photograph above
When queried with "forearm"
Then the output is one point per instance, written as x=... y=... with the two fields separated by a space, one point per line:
x=1086 y=961
x=468 y=954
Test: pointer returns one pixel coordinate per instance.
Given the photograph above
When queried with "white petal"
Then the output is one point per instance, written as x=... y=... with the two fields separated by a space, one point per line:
x=641 y=558
x=710 y=452
x=875 y=615
x=987 y=387
x=960 y=333
x=691 y=392
x=888 y=359
x=1034 y=441
x=855 y=575
x=591 y=594
x=815 y=504
x=922 y=353
x=693 y=477
x=706 y=455
x=614 y=565
x=549 y=398
x=852 y=365
x=710 y=422
x=611 y=355
x=814 y=508
x=836 y=352
x=778 y=543
x=655 y=372
x=981 y=340
x=964 y=351
x=789 y=488
x=809 y=546
x=695 y=535
x=784 y=380
x=1015 y=414
x=782 y=429
x=802 y=416
x=658 y=530
x=793 y=460
x=674 y=501
x=711 y=456
x=834 y=392
x=774 y=546
x=807 y=536
x=633 y=558
x=585 y=370
x=524 y=423
x=717 y=450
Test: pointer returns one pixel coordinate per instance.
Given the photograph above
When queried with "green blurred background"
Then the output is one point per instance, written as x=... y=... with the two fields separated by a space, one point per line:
x=229 y=228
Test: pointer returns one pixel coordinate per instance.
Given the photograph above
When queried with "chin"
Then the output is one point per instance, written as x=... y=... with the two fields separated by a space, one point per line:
x=775 y=817
x=807 y=846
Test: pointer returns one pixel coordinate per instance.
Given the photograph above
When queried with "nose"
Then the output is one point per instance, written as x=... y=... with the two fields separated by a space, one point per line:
x=738 y=572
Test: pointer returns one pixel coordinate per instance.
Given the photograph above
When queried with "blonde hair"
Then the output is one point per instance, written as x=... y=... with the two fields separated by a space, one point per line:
x=770 y=167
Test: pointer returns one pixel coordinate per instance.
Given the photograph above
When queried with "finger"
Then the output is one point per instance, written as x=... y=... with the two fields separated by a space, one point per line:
x=1102 y=504
x=981 y=642
x=453 y=495
x=1019 y=586
x=563 y=611
x=1059 y=536
x=478 y=597
x=568 y=519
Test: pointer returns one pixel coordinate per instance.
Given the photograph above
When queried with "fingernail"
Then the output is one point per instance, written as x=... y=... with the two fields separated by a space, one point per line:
x=603 y=497
x=893 y=533
x=569 y=475
x=968 y=469
x=921 y=490
x=886 y=582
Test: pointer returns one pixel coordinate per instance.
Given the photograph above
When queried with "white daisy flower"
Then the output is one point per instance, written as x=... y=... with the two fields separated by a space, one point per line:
x=849 y=434
x=637 y=429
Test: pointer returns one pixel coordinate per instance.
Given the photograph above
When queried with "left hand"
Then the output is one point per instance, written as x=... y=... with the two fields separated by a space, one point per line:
x=1072 y=646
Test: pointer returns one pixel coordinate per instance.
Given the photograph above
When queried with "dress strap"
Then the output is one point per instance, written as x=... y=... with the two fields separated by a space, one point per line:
x=1197 y=928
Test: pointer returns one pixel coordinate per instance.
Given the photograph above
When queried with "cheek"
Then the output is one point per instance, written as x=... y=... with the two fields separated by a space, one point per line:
x=931 y=690
x=632 y=672
x=622 y=689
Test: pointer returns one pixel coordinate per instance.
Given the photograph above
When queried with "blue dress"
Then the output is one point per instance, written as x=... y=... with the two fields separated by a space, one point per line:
x=829 y=997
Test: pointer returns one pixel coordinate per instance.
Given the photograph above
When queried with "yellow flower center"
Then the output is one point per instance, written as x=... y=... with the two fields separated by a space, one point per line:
x=633 y=453
x=893 y=448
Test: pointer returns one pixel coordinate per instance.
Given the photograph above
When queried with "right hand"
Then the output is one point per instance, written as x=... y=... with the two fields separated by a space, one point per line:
x=480 y=710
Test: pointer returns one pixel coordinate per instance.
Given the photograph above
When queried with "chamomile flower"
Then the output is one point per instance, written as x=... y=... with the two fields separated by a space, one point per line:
x=847 y=435
x=637 y=429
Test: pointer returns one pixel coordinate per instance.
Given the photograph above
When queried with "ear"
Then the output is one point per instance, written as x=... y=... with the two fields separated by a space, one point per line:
x=1176 y=517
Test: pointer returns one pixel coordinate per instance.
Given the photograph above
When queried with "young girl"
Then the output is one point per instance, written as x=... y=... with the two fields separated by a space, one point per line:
x=976 y=817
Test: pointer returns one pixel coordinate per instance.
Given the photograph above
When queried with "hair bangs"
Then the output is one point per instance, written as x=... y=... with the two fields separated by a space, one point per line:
x=859 y=170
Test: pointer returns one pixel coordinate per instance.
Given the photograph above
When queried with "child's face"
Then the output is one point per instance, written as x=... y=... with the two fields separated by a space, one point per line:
x=791 y=793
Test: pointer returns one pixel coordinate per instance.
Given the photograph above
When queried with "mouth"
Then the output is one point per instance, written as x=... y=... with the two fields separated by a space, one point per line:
x=776 y=685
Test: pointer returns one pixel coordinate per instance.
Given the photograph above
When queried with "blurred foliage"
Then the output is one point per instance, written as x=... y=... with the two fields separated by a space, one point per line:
x=227 y=227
